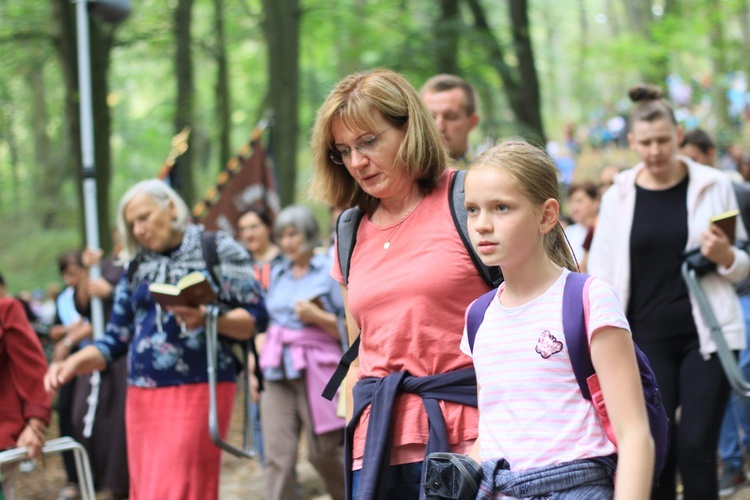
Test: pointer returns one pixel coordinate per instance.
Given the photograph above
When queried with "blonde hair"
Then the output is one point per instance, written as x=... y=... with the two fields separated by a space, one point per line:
x=537 y=177
x=162 y=194
x=355 y=100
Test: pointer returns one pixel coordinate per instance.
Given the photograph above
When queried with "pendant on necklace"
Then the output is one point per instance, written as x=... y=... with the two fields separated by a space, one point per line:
x=386 y=245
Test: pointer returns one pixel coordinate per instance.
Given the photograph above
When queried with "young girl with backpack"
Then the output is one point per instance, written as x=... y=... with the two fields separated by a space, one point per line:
x=538 y=437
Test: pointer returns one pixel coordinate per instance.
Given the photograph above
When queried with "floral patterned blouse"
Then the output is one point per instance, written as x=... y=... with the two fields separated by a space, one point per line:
x=160 y=353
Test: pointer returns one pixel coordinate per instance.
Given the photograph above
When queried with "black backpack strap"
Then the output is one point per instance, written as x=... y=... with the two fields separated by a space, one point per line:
x=211 y=256
x=341 y=370
x=210 y=251
x=132 y=269
x=346 y=237
x=491 y=275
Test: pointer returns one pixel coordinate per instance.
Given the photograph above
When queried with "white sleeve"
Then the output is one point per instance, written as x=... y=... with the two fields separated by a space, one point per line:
x=601 y=255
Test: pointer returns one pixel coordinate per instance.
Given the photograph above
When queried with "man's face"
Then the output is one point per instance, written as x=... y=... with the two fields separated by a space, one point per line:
x=452 y=120
x=694 y=153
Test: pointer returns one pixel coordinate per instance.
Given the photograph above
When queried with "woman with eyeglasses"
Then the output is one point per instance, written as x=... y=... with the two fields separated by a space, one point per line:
x=375 y=145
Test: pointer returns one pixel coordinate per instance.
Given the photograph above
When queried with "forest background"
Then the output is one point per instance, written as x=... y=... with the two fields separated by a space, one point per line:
x=223 y=66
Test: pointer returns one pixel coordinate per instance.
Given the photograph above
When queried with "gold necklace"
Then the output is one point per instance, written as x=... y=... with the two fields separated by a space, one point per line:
x=388 y=238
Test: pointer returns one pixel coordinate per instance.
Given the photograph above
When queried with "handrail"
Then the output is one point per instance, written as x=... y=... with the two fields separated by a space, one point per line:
x=247 y=451
x=83 y=466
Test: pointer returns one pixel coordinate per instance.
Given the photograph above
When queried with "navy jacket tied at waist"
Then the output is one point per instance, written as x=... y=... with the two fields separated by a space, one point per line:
x=459 y=386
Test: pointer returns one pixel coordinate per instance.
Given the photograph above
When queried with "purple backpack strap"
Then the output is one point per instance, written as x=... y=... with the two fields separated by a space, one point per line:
x=476 y=315
x=574 y=326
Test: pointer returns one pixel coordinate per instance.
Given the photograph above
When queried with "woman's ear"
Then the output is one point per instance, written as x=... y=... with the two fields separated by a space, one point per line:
x=550 y=215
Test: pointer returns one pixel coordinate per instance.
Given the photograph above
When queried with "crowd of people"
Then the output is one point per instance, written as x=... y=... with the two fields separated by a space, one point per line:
x=428 y=226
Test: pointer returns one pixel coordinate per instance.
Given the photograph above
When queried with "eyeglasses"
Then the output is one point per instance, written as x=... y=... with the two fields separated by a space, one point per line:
x=365 y=146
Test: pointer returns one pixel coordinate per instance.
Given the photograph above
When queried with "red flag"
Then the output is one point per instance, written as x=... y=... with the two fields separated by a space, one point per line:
x=246 y=180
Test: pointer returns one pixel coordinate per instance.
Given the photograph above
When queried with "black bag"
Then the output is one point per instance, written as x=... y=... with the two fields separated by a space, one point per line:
x=698 y=262
x=451 y=476
x=701 y=265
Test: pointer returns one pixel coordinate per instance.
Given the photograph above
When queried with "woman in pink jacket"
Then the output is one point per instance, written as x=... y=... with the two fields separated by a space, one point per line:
x=652 y=214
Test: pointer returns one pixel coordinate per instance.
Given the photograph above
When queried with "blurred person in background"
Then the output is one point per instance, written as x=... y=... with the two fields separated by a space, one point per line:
x=652 y=215
x=699 y=146
x=26 y=407
x=453 y=103
x=255 y=233
x=300 y=353
x=170 y=452
x=583 y=207
x=70 y=331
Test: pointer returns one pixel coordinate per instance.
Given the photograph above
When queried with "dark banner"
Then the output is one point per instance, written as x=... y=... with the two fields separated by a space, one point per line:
x=246 y=180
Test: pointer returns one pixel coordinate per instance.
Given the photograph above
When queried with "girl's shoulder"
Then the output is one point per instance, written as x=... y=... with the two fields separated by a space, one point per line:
x=598 y=288
x=603 y=307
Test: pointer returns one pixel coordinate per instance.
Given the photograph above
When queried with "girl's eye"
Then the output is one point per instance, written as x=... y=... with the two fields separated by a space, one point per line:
x=502 y=208
x=471 y=210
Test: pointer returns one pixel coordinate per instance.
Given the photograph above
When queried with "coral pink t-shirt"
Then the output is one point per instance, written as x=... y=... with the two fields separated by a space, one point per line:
x=409 y=303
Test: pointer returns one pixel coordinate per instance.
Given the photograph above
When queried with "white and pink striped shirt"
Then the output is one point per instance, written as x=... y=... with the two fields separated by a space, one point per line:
x=531 y=411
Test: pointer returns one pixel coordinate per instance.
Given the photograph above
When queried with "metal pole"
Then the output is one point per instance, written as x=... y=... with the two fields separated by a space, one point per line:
x=87 y=155
x=89 y=193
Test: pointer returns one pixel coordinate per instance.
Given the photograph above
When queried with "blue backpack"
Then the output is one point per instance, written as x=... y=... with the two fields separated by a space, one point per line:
x=575 y=309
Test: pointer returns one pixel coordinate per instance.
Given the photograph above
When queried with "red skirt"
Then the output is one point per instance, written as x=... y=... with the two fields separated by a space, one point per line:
x=170 y=453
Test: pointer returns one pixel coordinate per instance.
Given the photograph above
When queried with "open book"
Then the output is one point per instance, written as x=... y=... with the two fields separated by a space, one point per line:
x=192 y=290
x=727 y=221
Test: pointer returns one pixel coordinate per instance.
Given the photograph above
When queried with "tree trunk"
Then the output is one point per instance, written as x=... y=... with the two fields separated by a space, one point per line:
x=64 y=36
x=447 y=30
x=745 y=23
x=581 y=88
x=520 y=83
x=744 y=19
x=348 y=45
x=639 y=15
x=551 y=56
x=281 y=28
x=47 y=176
x=222 y=95
x=718 y=64
x=613 y=20
x=529 y=98
x=101 y=45
x=8 y=136
x=182 y=178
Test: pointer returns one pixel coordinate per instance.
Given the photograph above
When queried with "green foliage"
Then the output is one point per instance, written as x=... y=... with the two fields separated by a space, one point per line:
x=28 y=255
x=587 y=56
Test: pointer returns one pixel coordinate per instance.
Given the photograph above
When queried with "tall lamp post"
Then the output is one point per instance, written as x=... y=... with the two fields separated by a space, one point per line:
x=110 y=11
